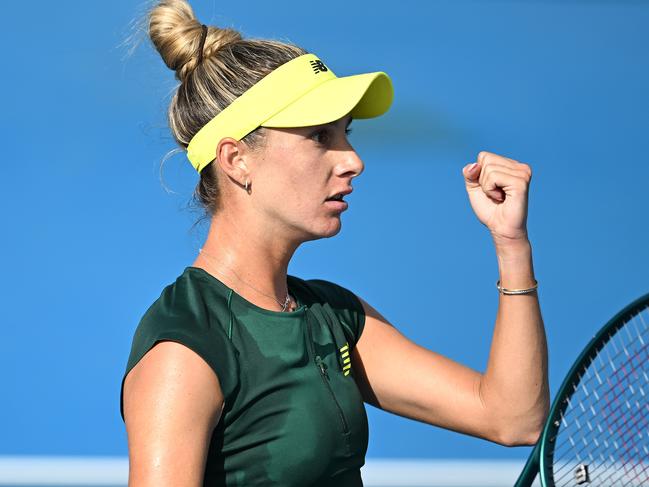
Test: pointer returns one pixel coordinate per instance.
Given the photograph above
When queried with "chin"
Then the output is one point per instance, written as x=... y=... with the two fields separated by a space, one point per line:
x=334 y=230
x=330 y=230
x=333 y=234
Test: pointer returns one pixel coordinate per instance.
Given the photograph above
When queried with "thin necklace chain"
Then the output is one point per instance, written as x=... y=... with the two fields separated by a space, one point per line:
x=212 y=258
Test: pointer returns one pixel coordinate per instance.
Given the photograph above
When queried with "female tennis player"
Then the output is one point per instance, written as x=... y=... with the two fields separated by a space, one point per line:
x=241 y=374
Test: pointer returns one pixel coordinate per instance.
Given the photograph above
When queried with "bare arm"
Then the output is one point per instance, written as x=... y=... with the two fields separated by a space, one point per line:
x=509 y=402
x=172 y=402
x=516 y=379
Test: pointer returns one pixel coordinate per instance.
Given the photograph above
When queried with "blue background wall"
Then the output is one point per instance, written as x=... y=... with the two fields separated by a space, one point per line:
x=90 y=235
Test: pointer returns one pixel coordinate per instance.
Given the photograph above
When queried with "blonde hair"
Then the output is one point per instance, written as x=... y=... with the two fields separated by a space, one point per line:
x=230 y=65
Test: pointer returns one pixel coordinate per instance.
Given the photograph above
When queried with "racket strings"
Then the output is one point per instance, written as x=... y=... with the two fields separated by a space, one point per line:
x=622 y=430
x=587 y=454
x=587 y=449
x=604 y=426
x=574 y=440
x=630 y=426
x=586 y=406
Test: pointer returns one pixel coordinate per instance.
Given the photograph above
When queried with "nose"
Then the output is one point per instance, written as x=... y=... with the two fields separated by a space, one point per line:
x=350 y=163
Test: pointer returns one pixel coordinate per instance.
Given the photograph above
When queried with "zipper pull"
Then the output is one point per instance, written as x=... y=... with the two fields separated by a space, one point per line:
x=322 y=365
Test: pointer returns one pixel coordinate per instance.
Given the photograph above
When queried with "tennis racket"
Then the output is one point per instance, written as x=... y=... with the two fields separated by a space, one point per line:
x=597 y=432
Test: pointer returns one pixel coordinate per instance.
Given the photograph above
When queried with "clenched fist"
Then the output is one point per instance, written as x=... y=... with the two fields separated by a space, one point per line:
x=498 y=188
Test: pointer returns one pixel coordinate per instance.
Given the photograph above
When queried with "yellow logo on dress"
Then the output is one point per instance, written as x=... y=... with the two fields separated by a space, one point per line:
x=347 y=362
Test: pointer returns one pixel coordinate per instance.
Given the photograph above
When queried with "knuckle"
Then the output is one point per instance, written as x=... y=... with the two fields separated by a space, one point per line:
x=494 y=173
x=527 y=170
x=489 y=179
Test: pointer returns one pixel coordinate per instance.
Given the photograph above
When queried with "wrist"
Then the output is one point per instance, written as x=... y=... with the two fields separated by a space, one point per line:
x=512 y=247
x=515 y=267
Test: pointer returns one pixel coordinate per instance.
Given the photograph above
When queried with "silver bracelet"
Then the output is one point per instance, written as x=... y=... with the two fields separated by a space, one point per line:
x=502 y=290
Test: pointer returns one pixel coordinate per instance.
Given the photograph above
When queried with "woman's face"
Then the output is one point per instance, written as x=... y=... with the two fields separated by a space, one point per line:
x=296 y=171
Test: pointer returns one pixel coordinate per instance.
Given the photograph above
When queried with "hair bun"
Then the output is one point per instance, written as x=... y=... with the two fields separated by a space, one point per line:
x=176 y=34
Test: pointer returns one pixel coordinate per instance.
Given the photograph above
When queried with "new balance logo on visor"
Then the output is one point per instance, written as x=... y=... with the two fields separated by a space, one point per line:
x=318 y=66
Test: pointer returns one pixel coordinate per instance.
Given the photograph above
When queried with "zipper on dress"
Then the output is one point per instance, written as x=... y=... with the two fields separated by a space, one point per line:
x=322 y=367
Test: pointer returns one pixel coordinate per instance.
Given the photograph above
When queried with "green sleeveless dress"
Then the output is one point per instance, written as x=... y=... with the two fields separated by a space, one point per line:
x=293 y=413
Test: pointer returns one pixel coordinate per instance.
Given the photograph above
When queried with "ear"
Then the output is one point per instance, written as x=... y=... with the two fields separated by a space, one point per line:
x=232 y=158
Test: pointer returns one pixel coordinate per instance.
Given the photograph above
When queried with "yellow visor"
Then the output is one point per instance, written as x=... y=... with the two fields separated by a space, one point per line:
x=299 y=93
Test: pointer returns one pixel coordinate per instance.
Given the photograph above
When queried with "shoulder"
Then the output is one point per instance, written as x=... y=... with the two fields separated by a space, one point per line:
x=185 y=304
x=193 y=314
x=339 y=299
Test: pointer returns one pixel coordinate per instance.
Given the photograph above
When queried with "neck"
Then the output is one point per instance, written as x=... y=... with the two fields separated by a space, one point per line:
x=247 y=260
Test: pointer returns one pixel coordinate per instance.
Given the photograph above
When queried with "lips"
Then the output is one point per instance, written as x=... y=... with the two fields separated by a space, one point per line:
x=338 y=196
x=336 y=205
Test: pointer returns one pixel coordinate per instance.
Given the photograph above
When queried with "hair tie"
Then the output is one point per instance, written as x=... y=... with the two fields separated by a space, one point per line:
x=202 y=43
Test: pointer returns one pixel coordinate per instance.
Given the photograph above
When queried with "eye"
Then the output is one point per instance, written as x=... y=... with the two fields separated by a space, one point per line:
x=321 y=136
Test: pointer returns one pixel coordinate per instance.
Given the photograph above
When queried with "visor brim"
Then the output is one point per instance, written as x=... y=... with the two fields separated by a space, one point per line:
x=365 y=95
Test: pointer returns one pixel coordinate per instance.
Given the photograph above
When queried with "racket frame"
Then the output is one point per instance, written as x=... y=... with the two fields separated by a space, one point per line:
x=540 y=460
